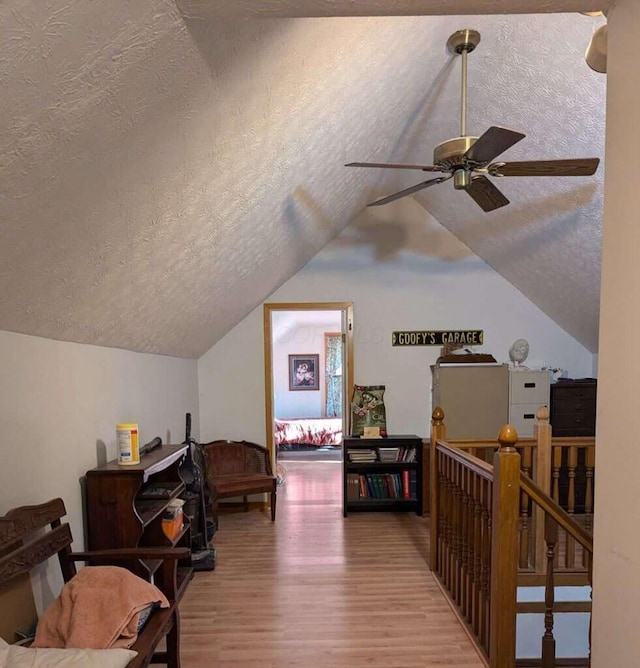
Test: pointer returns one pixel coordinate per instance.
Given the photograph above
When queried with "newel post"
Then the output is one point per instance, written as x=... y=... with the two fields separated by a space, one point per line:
x=438 y=433
x=504 y=551
x=543 y=479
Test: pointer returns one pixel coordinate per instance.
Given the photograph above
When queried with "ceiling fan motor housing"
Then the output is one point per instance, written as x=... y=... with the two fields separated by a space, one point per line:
x=450 y=156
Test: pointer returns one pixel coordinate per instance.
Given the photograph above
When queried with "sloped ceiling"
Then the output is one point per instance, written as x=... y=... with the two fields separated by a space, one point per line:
x=164 y=168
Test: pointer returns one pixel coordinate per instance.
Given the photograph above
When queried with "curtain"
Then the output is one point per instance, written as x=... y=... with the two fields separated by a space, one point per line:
x=333 y=375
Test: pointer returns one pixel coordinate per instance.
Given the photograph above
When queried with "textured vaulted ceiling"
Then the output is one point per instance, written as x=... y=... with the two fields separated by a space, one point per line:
x=165 y=167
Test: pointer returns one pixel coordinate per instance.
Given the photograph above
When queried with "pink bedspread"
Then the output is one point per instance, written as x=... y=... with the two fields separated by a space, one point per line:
x=308 y=431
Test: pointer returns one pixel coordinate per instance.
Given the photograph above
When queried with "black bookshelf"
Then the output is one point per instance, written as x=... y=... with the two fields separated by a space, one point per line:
x=374 y=480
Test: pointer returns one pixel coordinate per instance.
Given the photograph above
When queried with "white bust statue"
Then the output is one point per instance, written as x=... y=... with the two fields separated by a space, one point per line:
x=519 y=351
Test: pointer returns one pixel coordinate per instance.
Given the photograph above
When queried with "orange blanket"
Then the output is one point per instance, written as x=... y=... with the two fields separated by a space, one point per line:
x=99 y=609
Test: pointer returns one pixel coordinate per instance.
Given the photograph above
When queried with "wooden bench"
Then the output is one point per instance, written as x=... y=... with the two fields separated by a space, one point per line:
x=31 y=535
x=238 y=468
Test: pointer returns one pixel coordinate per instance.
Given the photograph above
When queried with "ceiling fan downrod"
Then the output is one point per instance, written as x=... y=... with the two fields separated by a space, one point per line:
x=463 y=42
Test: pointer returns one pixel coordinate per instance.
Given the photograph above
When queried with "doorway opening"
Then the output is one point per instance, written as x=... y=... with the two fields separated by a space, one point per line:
x=308 y=372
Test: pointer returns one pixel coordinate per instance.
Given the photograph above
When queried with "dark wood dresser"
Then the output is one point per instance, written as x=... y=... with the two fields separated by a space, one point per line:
x=573 y=407
x=573 y=413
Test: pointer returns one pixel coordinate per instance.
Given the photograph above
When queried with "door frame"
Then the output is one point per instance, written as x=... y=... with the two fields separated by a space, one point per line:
x=347 y=318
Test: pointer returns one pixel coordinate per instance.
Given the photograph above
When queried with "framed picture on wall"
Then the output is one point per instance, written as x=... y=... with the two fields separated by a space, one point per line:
x=304 y=372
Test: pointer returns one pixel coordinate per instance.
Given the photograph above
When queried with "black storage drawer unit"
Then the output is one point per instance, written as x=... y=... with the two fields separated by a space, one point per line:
x=573 y=407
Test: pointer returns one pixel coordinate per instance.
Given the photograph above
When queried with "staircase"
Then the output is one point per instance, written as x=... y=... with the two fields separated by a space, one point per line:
x=514 y=563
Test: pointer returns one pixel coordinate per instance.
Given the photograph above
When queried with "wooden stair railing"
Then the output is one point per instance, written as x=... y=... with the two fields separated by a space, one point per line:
x=551 y=462
x=574 y=459
x=554 y=517
x=476 y=533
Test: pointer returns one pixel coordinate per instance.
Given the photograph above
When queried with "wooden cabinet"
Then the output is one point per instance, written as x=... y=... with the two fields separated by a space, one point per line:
x=479 y=399
x=474 y=398
x=573 y=407
x=528 y=390
x=126 y=504
x=383 y=474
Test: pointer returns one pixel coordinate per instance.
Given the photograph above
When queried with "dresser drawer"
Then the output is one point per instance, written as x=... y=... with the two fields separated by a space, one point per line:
x=573 y=405
x=574 y=424
x=529 y=387
x=577 y=393
x=523 y=418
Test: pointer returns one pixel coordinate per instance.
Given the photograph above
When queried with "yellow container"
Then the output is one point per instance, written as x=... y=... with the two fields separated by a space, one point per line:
x=128 y=444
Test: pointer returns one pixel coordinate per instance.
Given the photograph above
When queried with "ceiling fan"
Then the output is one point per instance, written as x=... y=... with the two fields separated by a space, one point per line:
x=468 y=160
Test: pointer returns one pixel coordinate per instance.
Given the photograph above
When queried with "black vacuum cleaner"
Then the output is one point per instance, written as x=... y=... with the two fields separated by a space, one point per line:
x=203 y=555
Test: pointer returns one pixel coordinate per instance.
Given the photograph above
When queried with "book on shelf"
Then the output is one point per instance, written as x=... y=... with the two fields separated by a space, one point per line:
x=365 y=486
x=364 y=492
x=384 y=455
x=406 y=485
x=388 y=454
x=362 y=455
x=353 y=486
x=409 y=455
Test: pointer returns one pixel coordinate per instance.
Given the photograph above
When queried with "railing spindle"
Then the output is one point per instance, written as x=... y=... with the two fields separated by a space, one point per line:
x=589 y=460
x=446 y=534
x=455 y=561
x=525 y=521
x=486 y=560
x=463 y=541
x=477 y=553
x=548 y=640
x=570 y=554
x=557 y=463
x=468 y=543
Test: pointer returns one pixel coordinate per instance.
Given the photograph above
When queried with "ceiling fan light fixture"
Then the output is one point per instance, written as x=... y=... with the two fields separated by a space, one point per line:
x=461 y=179
x=596 y=54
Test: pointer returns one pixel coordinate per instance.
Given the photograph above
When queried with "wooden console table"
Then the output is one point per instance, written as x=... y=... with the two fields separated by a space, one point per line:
x=125 y=505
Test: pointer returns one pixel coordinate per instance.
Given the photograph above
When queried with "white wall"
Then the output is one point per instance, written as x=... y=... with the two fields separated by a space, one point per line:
x=59 y=406
x=298 y=403
x=616 y=571
x=402 y=270
x=300 y=338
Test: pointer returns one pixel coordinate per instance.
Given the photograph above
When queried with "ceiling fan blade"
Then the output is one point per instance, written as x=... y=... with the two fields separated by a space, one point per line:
x=409 y=191
x=485 y=194
x=568 y=167
x=395 y=165
x=492 y=143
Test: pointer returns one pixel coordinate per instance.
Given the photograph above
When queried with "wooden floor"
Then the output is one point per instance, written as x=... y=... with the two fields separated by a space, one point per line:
x=318 y=590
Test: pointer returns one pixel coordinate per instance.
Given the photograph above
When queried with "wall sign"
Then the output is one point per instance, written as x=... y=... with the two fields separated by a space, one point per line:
x=467 y=337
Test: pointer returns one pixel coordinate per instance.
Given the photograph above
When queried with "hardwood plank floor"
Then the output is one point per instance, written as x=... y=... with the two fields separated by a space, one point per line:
x=315 y=589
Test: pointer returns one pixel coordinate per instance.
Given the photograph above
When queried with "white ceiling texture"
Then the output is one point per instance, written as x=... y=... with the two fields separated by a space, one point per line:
x=165 y=167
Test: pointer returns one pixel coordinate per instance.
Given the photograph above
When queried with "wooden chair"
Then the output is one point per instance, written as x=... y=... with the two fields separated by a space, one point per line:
x=238 y=468
x=24 y=545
